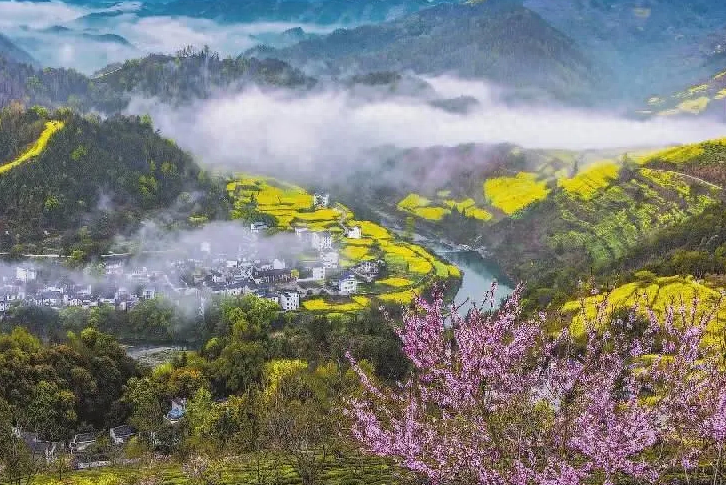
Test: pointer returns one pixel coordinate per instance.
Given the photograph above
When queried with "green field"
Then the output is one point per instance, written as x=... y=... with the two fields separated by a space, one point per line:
x=349 y=470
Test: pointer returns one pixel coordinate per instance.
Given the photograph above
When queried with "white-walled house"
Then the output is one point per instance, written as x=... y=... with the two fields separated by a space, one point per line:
x=25 y=274
x=319 y=273
x=289 y=300
x=321 y=240
x=347 y=285
x=354 y=233
x=331 y=259
x=321 y=200
x=121 y=434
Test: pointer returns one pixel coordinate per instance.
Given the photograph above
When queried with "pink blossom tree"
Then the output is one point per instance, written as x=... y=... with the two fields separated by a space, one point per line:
x=495 y=399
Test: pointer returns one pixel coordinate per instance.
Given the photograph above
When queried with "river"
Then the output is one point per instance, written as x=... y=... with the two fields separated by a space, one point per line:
x=478 y=276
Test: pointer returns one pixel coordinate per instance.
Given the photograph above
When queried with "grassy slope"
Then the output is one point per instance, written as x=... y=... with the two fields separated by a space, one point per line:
x=356 y=470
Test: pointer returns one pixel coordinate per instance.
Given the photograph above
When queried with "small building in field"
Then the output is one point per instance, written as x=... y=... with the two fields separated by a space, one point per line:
x=321 y=200
x=81 y=442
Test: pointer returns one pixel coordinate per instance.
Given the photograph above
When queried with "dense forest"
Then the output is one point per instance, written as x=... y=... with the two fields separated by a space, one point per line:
x=190 y=74
x=74 y=183
x=257 y=385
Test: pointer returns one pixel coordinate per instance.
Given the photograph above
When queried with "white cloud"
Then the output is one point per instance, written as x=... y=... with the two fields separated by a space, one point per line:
x=303 y=132
x=23 y=22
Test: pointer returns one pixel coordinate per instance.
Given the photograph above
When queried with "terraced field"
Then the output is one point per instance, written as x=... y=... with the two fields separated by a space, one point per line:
x=350 y=470
x=51 y=128
x=696 y=100
x=658 y=293
x=512 y=194
x=410 y=266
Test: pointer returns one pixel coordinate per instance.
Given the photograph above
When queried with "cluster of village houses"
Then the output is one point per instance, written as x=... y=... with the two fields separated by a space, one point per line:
x=82 y=447
x=309 y=268
x=203 y=272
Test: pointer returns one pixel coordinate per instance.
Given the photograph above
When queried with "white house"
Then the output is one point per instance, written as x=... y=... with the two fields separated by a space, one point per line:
x=148 y=293
x=25 y=274
x=321 y=200
x=289 y=300
x=347 y=285
x=321 y=240
x=271 y=297
x=278 y=264
x=369 y=267
x=331 y=259
x=319 y=273
x=354 y=233
x=218 y=278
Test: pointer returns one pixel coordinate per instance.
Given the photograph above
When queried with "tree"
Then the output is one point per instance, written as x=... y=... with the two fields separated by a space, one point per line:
x=145 y=397
x=299 y=421
x=495 y=400
x=51 y=412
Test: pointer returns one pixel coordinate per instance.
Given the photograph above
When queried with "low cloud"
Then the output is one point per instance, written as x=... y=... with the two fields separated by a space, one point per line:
x=287 y=131
x=78 y=42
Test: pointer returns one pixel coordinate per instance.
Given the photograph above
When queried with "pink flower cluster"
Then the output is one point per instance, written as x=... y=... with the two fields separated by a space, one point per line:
x=495 y=399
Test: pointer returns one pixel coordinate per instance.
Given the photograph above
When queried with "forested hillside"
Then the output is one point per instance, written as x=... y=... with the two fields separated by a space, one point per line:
x=650 y=47
x=497 y=40
x=707 y=98
x=13 y=53
x=69 y=181
x=176 y=79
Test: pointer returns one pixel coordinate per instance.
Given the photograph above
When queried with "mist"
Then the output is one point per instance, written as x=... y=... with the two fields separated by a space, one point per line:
x=62 y=35
x=334 y=128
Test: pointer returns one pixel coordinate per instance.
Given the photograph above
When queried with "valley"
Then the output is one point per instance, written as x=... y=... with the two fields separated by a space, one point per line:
x=324 y=242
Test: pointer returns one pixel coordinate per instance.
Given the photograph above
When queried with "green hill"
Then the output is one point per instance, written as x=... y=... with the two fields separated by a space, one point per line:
x=69 y=181
x=552 y=217
x=176 y=79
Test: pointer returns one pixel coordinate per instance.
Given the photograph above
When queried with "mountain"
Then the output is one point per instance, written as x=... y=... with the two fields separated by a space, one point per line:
x=499 y=40
x=173 y=79
x=14 y=53
x=320 y=12
x=72 y=182
x=651 y=46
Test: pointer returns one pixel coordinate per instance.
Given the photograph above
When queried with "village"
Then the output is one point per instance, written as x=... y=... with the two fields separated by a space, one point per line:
x=309 y=265
x=284 y=270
